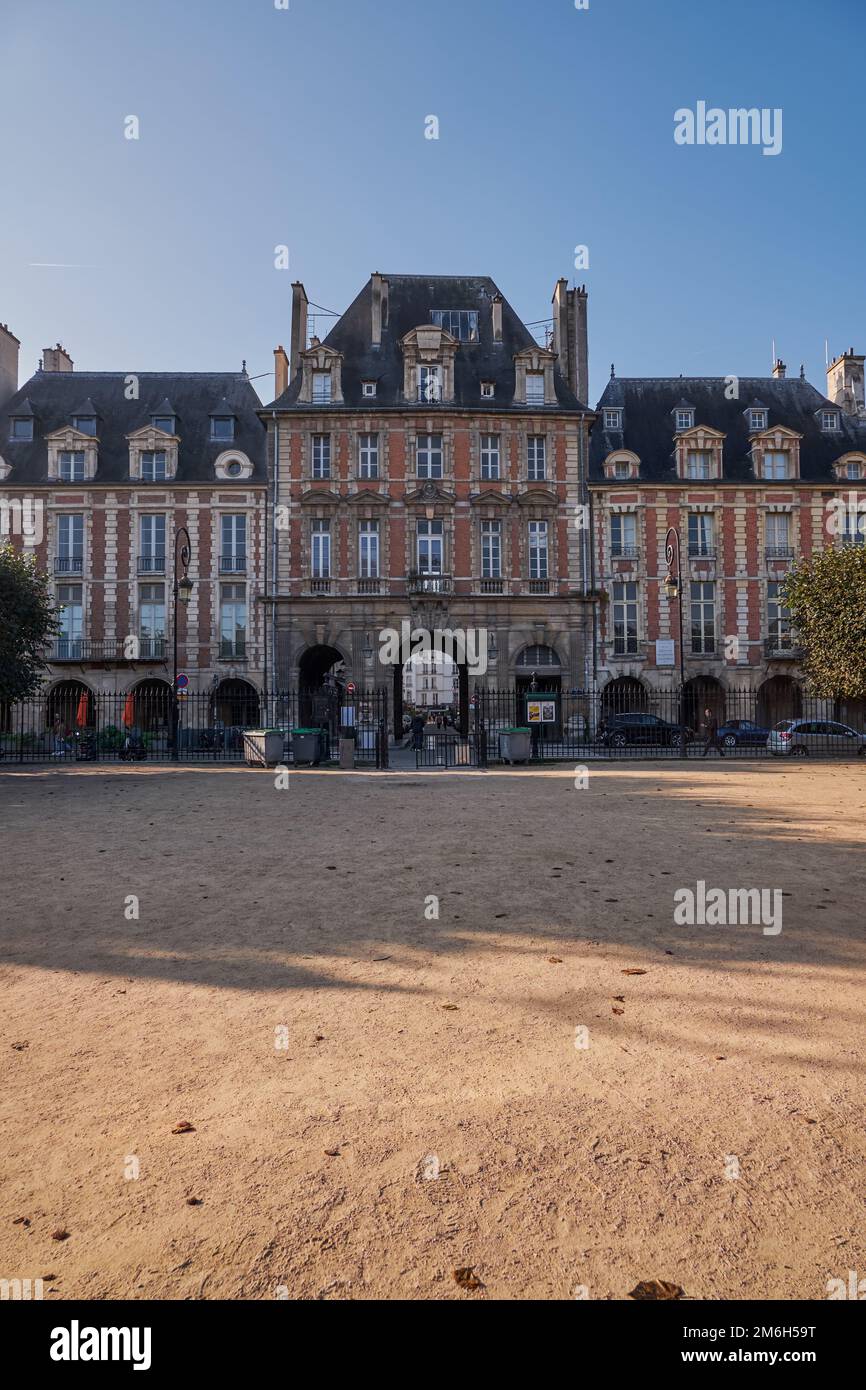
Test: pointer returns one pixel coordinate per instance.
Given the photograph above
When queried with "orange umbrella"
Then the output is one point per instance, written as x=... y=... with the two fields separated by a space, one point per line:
x=81 y=716
x=129 y=711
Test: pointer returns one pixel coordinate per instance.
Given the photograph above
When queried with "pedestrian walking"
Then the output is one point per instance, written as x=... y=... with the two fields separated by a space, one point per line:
x=710 y=727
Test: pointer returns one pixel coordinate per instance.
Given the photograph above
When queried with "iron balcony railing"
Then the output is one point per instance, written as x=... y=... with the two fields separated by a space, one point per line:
x=232 y=651
x=783 y=646
x=779 y=552
x=233 y=564
x=85 y=649
x=69 y=564
x=624 y=552
x=428 y=583
x=699 y=551
x=151 y=564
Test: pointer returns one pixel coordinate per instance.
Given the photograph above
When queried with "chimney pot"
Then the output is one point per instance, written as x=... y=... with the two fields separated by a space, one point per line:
x=56 y=359
x=300 y=306
x=281 y=371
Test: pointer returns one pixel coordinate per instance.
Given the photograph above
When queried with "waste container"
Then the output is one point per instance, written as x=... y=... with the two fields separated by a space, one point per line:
x=307 y=746
x=263 y=747
x=515 y=745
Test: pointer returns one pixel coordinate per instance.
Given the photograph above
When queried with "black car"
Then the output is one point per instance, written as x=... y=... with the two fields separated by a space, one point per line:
x=618 y=730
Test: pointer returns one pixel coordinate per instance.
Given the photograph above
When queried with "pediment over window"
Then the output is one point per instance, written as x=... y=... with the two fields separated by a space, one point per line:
x=149 y=437
x=776 y=436
x=368 y=497
x=321 y=364
x=489 y=497
x=699 y=436
x=428 y=364
x=537 y=497
x=320 y=497
x=430 y=494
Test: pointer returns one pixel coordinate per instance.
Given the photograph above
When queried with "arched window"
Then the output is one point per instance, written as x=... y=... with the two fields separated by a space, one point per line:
x=534 y=657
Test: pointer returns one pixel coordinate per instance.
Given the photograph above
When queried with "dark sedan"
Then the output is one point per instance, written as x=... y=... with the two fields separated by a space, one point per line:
x=619 y=730
x=743 y=733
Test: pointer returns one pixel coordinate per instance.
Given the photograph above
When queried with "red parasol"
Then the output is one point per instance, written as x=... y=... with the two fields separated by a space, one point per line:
x=81 y=716
x=129 y=711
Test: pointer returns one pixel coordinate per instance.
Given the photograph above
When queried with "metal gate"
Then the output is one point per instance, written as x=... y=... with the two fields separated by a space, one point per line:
x=444 y=749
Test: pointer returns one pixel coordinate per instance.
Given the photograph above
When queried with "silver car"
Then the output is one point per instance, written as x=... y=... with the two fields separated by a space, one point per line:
x=801 y=737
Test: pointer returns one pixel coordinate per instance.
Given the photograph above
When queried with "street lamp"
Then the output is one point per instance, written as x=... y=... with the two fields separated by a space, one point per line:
x=673 y=587
x=181 y=593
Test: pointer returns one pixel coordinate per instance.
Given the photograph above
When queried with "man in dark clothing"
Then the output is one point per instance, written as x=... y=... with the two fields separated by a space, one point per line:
x=710 y=727
x=418 y=731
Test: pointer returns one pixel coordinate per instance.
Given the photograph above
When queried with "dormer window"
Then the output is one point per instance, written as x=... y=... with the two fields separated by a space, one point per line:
x=853 y=471
x=757 y=419
x=776 y=465
x=321 y=388
x=70 y=466
x=699 y=464
x=368 y=388
x=462 y=324
x=85 y=424
x=621 y=469
x=612 y=419
x=153 y=467
x=222 y=428
x=166 y=423
x=21 y=429
x=829 y=421
x=430 y=384
x=535 y=388
x=488 y=390
x=685 y=419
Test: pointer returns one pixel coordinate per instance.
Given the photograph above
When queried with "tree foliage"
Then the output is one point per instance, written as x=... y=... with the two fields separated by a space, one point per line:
x=27 y=623
x=826 y=597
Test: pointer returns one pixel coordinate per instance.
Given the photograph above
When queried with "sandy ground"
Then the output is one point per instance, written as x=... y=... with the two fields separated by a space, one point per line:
x=379 y=1099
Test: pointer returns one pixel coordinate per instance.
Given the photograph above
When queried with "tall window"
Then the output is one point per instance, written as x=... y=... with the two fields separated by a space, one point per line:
x=460 y=323
x=535 y=388
x=698 y=464
x=320 y=550
x=321 y=456
x=430 y=547
x=233 y=543
x=625 y=619
x=151 y=618
x=71 y=619
x=778 y=534
x=152 y=543
x=491 y=550
x=538 y=568
x=153 y=467
x=430 y=384
x=776 y=465
x=703 y=616
x=71 y=466
x=701 y=539
x=428 y=456
x=536 y=457
x=70 y=543
x=233 y=620
x=368 y=455
x=854 y=524
x=321 y=388
x=623 y=535
x=368 y=550
x=490 y=457
x=778 y=617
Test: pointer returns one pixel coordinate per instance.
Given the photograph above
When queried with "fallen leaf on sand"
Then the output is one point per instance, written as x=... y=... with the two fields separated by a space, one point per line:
x=193 y=1201
x=60 y=1234
x=20 y=1047
x=633 y=971
x=652 y=1290
x=620 y=998
x=452 y=1007
x=332 y=1153
x=554 y=960
x=21 y=1221
x=184 y=1127
x=618 y=1011
x=467 y=1278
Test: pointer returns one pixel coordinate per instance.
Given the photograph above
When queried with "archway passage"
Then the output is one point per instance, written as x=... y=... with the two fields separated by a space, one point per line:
x=624 y=695
x=69 y=706
x=148 y=707
x=699 y=694
x=236 y=705
x=780 y=697
x=852 y=712
x=319 y=688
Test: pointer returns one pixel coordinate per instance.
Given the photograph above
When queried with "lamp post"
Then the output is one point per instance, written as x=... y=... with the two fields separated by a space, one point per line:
x=673 y=586
x=181 y=591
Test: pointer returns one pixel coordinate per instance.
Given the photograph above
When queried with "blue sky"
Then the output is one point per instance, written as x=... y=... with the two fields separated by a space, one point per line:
x=305 y=127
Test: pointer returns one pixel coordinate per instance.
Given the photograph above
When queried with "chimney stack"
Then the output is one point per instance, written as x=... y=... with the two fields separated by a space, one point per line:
x=9 y=346
x=379 y=307
x=779 y=369
x=497 y=318
x=56 y=359
x=300 y=305
x=281 y=371
x=563 y=330
x=581 y=346
x=845 y=383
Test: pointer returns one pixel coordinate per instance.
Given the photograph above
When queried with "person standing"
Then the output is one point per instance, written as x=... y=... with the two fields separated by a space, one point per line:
x=710 y=727
x=417 y=727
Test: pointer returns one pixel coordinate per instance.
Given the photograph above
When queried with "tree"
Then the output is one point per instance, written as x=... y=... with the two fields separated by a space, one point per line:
x=27 y=623
x=826 y=597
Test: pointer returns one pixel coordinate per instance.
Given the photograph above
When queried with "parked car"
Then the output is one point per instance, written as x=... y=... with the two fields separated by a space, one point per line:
x=739 y=733
x=618 y=730
x=800 y=737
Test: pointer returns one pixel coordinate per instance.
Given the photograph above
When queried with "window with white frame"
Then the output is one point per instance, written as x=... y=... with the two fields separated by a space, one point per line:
x=853 y=530
x=368 y=455
x=490 y=457
x=491 y=549
x=151 y=619
x=623 y=535
x=430 y=546
x=233 y=543
x=775 y=465
x=70 y=466
x=151 y=549
x=368 y=388
x=233 y=621
x=320 y=549
x=703 y=617
x=70 y=543
x=321 y=388
x=757 y=419
x=71 y=620
x=778 y=535
x=321 y=455
x=488 y=389
x=535 y=388
x=621 y=468
x=430 y=384
x=853 y=471
x=536 y=458
x=699 y=463
x=778 y=617
x=460 y=323
x=153 y=467
x=685 y=419
x=538 y=550
x=701 y=537
x=428 y=456
x=829 y=420
x=612 y=419
x=368 y=549
x=625 y=631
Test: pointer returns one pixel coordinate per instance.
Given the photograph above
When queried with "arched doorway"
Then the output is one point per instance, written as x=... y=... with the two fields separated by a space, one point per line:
x=700 y=693
x=69 y=706
x=780 y=697
x=235 y=705
x=321 y=676
x=148 y=707
x=624 y=695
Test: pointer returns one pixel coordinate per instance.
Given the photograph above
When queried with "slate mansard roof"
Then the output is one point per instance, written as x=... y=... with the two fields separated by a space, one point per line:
x=411 y=300
x=648 y=423
x=54 y=397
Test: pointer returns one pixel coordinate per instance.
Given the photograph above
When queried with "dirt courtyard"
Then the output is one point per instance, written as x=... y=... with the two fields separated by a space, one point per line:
x=378 y=1097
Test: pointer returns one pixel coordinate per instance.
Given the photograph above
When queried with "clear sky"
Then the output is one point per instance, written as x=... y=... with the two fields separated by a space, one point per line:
x=305 y=127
